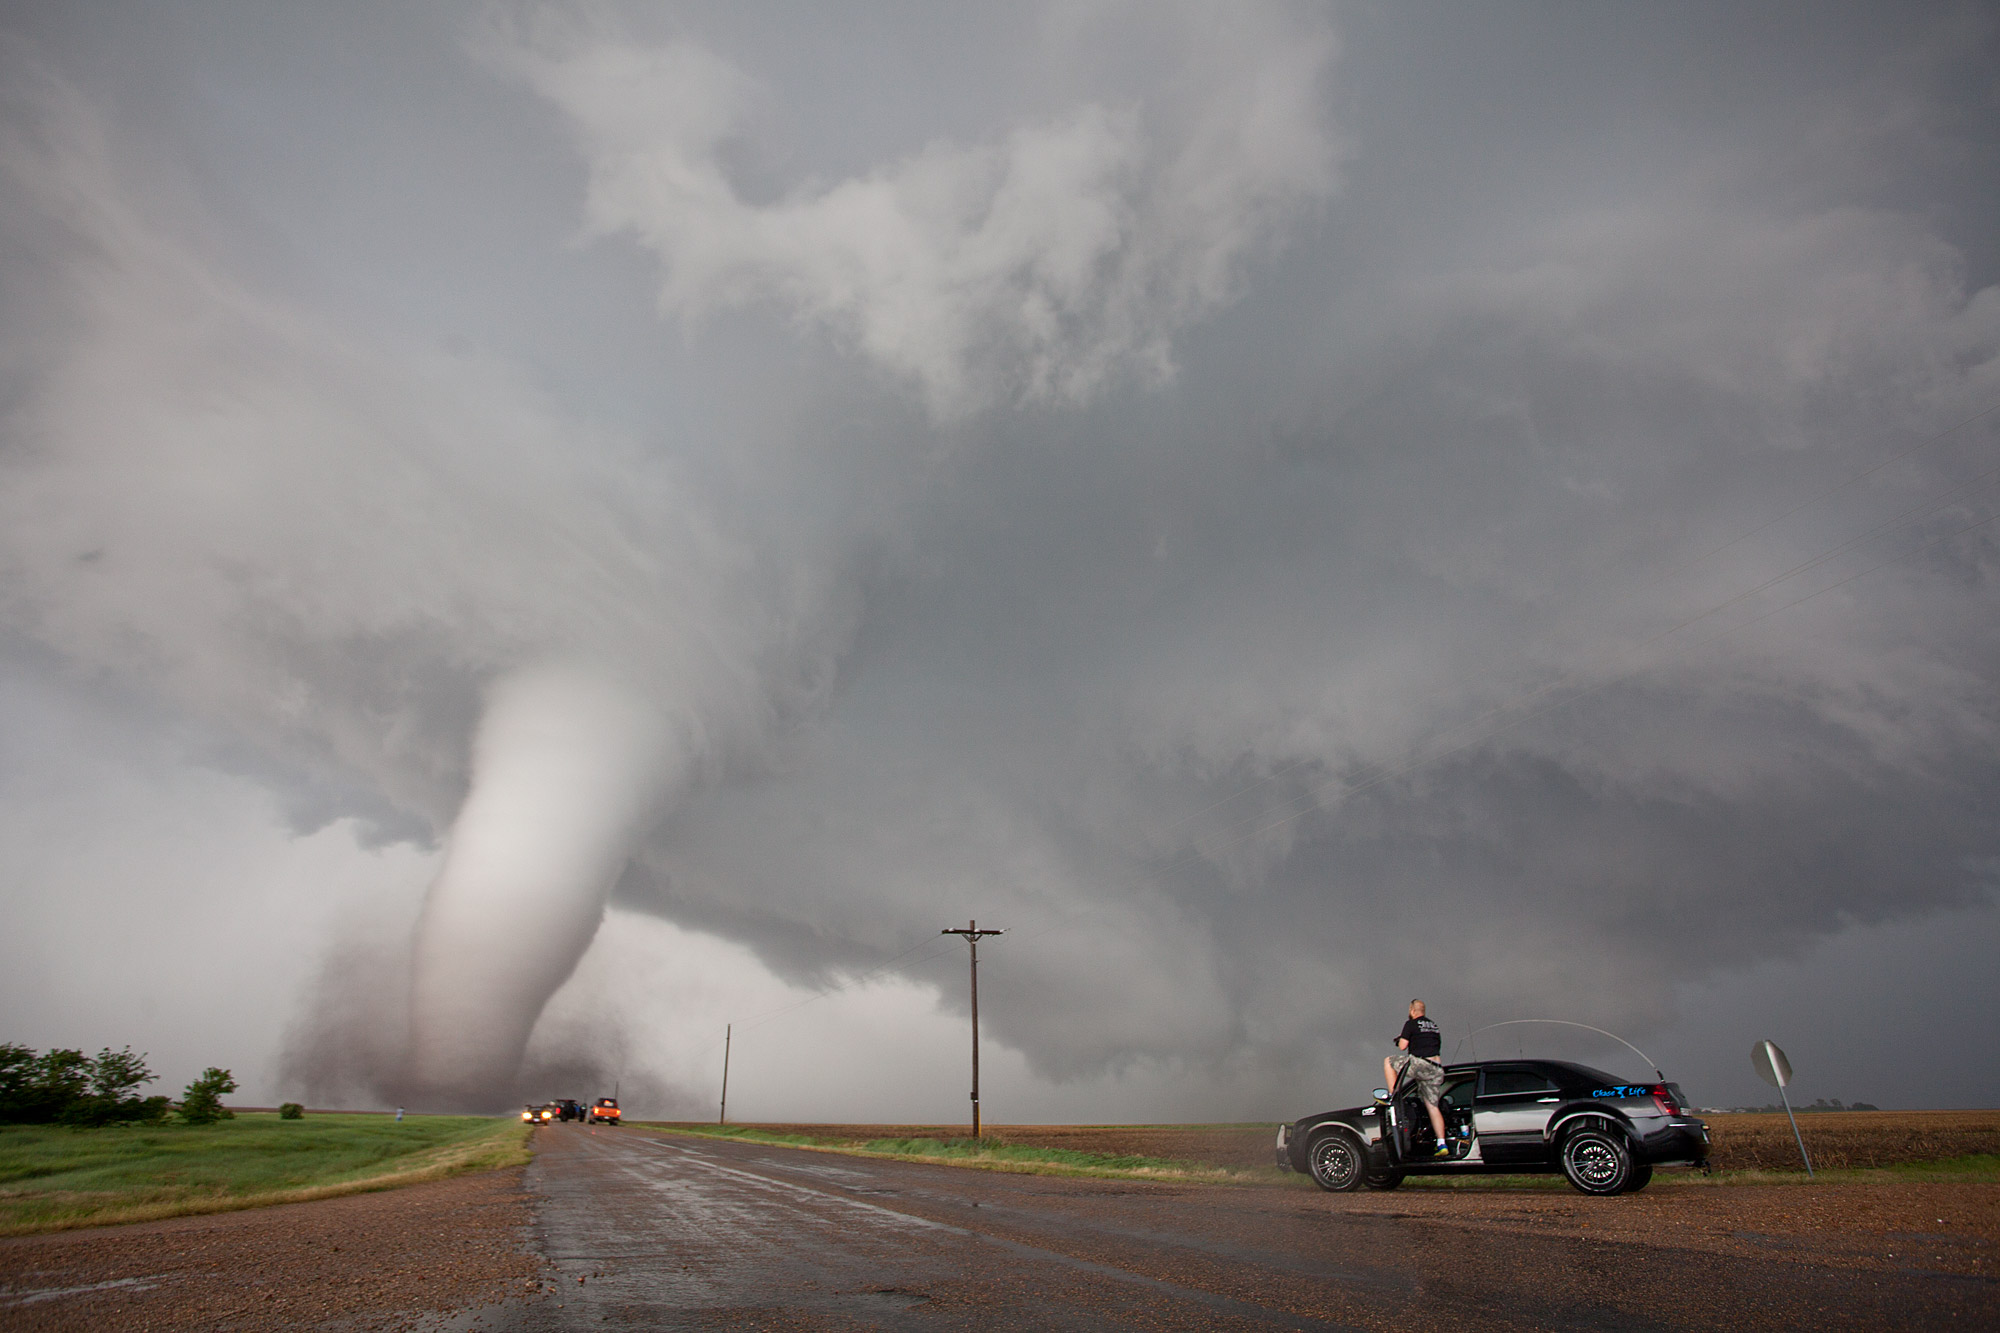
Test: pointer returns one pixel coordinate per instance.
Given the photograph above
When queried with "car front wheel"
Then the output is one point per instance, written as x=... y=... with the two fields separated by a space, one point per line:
x=1596 y=1161
x=1384 y=1180
x=1336 y=1162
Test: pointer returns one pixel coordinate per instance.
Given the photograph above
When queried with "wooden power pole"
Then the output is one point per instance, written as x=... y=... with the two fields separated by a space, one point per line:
x=972 y=932
x=723 y=1118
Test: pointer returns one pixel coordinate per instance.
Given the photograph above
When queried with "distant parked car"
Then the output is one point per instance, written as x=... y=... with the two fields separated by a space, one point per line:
x=605 y=1112
x=1605 y=1135
x=568 y=1108
x=530 y=1114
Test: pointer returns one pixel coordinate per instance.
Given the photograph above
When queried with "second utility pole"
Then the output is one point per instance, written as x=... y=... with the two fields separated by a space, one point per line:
x=972 y=932
x=723 y=1118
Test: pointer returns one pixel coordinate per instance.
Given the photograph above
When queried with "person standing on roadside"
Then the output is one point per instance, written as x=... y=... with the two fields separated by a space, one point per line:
x=1419 y=1053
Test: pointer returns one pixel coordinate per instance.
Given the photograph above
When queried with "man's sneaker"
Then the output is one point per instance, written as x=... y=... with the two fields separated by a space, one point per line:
x=1442 y=1150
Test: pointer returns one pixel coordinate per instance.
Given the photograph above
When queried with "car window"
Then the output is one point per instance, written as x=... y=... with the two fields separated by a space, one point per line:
x=1598 y=1076
x=1458 y=1092
x=1512 y=1082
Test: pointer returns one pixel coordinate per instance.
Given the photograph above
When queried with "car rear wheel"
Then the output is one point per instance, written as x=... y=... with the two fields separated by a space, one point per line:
x=1336 y=1161
x=1642 y=1176
x=1596 y=1161
x=1384 y=1180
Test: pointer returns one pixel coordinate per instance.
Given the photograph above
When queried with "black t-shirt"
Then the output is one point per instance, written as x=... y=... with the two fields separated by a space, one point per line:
x=1424 y=1038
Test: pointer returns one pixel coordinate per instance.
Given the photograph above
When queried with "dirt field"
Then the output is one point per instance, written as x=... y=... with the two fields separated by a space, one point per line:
x=1851 y=1138
x=366 y=1261
x=1741 y=1142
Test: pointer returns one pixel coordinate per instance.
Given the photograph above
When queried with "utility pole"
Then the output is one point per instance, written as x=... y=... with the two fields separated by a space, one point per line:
x=723 y=1118
x=972 y=932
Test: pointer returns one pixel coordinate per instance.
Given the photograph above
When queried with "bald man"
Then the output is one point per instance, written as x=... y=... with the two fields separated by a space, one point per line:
x=1419 y=1050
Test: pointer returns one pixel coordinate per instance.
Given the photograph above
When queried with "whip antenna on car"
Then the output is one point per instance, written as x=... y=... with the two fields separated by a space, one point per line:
x=1560 y=1022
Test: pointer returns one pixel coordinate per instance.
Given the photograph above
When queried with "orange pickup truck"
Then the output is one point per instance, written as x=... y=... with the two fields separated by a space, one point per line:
x=605 y=1112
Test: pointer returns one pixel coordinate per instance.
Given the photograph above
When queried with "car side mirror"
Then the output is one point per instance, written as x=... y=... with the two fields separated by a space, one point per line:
x=1381 y=1094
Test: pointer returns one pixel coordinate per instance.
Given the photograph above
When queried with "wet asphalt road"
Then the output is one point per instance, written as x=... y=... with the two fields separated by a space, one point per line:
x=672 y=1233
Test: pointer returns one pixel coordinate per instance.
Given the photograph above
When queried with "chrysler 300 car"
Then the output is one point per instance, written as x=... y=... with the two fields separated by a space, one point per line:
x=1605 y=1135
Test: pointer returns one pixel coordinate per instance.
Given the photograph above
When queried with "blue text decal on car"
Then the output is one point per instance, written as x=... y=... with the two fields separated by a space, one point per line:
x=1619 y=1092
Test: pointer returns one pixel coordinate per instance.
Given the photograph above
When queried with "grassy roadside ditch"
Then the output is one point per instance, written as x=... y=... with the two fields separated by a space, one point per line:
x=993 y=1155
x=54 y=1178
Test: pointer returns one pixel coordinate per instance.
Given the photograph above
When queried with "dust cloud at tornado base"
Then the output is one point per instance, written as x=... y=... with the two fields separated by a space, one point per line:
x=1068 y=485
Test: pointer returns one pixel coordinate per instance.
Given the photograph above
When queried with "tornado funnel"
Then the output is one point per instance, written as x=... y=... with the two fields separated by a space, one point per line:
x=570 y=769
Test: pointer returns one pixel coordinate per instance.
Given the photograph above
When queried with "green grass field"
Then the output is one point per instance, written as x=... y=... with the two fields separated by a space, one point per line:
x=52 y=1178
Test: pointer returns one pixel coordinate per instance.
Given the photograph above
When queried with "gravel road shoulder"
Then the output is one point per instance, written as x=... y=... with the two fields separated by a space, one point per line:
x=365 y=1261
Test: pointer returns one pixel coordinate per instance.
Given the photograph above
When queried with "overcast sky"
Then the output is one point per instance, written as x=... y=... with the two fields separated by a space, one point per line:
x=1282 y=508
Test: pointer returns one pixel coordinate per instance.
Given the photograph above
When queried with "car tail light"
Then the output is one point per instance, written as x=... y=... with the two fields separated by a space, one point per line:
x=1663 y=1097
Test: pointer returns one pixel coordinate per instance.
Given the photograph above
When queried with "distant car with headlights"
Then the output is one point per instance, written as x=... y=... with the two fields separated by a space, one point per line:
x=1603 y=1134
x=531 y=1115
x=605 y=1111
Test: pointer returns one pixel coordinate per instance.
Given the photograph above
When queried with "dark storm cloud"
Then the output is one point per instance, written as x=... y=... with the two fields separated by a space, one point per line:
x=1214 y=497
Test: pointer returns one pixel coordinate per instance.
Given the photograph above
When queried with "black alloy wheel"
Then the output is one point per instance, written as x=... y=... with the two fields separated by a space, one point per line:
x=1336 y=1161
x=1384 y=1179
x=1596 y=1160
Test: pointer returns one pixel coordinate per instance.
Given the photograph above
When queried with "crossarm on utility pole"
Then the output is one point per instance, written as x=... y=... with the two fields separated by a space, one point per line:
x=722 y=1118
x=972 y=932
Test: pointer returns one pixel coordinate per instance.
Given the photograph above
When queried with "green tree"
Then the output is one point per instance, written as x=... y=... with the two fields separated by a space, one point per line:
x=17 y=1080
x=114 y=1080
x=201 y=1103
x=117 y=1075
x=59 y=1079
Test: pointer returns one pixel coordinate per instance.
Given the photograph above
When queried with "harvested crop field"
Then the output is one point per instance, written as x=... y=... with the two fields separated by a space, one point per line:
x=1742 y=1142
x=1850 y=1139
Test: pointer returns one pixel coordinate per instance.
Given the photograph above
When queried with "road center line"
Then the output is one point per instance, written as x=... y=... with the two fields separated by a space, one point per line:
x=1214 y=1300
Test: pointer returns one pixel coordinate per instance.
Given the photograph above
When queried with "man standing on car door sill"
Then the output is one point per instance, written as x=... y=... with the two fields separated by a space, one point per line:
x=1419 y=1051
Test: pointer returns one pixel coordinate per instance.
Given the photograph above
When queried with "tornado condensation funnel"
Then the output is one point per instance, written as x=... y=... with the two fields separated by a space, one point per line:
x=570 y=768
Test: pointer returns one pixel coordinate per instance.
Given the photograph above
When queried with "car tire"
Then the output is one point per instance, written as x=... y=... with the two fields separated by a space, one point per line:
x=1337 y=1161
x=1384 y=1179
x=1595 y=1160
x=1642 y=1176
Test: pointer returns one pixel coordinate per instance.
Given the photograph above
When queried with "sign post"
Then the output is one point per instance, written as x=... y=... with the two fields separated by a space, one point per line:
x=1772 y=1066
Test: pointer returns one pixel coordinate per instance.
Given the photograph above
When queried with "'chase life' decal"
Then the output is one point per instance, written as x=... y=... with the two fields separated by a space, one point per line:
x=1619 y=1092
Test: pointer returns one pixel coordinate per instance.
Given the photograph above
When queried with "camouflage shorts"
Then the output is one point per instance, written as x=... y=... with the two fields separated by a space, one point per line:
x=1429 y=1074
